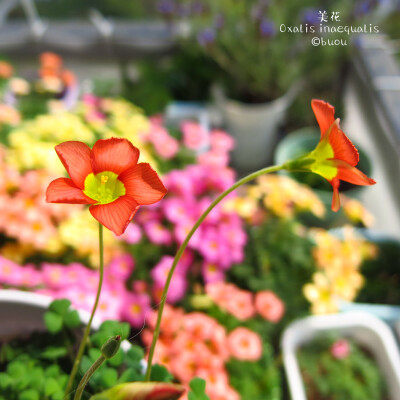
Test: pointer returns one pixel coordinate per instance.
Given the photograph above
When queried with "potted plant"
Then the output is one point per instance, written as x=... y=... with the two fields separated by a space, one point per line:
x=253 y=96
x=363 y=328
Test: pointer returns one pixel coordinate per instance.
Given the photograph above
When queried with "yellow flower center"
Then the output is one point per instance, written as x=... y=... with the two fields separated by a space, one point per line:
x=104 y=187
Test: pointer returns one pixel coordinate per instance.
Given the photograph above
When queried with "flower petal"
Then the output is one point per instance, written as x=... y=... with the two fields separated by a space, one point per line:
x=342 y=147
x=116 y=215
x=335 y=198
x=348 y=173
x=114 y=154
x=75 y=157
x=63 y=190
x=324 y=113
x=143 y=184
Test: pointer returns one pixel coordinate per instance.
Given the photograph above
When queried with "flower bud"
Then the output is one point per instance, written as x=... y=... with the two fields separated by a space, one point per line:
x=110 y=348
x=142 y=391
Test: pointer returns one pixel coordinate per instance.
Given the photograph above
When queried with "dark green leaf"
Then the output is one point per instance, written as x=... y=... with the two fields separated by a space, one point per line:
x=71 y=319
x=117 y=360
x=197 y=389
x=160 y=374
x=135 y=354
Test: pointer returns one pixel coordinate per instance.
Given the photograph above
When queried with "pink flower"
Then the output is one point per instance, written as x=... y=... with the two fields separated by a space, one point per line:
x=241 y=305
x=10 y=272
x=195 y=137
x=132 y=234
x=135 y=308
x=157 y=233
x=221 y=141
x=269 y=306
x=199 y=325
x=245 y=344
x=213 y=159
x=176 y=291
x=340 y=349
x=120 y=267
x=167 y=147
x=160 y=272
x=211 y=272
x=212 y=248
x=176 y=209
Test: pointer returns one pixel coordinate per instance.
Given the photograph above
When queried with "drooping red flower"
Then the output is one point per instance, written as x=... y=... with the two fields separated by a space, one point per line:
x=335 y=157
x=109 y=178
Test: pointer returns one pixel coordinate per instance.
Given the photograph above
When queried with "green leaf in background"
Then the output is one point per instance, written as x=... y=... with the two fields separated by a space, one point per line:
x=160 y=374
x=113 y=328
x=71 y=319
x=53 y=321
x=53 y=353
x=60 y=306
x=5 y=380
x=29 y=394
x=51 y=386
x=197 y=389
x=135 y=354
x=130 y=375
x=16 y=369
x=108 y=377
x=117 y=360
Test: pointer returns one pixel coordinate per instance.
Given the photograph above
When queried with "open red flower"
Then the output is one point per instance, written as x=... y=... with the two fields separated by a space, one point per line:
x=335 y=157
x=109 y=178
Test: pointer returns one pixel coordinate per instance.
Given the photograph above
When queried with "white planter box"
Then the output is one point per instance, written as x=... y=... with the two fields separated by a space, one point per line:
x=363 y=328
x=22 y=313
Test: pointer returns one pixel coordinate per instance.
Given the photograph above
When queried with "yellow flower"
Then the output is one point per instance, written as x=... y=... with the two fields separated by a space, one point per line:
x=320 y=295
x=357 y=213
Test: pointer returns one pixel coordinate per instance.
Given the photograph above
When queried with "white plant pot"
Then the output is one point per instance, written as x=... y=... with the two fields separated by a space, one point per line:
x=254 y=127
x=363 y=328
x=22 y=313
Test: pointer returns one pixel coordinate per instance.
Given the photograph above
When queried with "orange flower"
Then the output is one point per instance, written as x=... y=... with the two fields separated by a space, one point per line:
x=6 y=70
x=109 y=178
x=335 y=157
x=245 y=344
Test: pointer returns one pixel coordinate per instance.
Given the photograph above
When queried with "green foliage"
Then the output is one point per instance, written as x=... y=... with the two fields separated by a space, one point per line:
x=256 y=380
x=382 y=275
x=37 y=368
x=60 y=315
x=160 y=374
x=355 y=377
x=197 y=389
x=277 y=259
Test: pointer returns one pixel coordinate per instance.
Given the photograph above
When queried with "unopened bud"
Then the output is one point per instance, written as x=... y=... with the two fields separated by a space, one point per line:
x=110 y=348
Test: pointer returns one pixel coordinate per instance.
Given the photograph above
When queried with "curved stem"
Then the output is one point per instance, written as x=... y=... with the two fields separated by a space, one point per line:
x=87 y=329
x=87 y=376
x=182 y=248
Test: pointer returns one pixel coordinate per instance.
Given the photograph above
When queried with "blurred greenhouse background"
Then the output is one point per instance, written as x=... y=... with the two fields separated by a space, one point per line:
x=209 y=91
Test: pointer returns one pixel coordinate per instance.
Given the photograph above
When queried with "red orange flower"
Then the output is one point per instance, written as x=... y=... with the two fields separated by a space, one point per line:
x=335 y=157
x=109 y=178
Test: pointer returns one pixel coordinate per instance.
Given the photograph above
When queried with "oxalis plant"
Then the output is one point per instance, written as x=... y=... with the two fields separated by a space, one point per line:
x=110 y=180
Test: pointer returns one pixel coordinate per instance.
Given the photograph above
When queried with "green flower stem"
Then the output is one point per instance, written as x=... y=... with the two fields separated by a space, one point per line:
x=87 y=376
x=182 y=248
x=87 y=330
